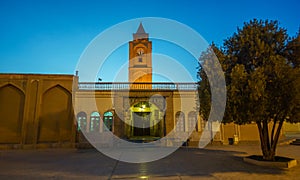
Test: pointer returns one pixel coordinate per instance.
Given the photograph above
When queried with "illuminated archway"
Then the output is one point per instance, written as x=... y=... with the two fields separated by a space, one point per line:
x=145 y=119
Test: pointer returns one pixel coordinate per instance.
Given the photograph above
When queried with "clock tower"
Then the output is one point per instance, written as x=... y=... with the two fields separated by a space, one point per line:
x=140 y=57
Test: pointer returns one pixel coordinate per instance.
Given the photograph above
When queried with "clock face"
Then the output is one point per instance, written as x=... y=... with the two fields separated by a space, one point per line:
x=140 y=52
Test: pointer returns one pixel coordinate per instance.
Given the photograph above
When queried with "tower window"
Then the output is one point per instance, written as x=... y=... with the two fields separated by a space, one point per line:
x=140 y=59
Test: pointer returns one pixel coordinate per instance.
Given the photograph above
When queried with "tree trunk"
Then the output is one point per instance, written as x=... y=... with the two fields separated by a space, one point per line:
x=276 y=137
x=267 y=151
x=268 y=148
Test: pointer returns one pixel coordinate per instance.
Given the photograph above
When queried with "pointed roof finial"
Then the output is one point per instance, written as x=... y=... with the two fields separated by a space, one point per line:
x=140 y=33
x=141 y=29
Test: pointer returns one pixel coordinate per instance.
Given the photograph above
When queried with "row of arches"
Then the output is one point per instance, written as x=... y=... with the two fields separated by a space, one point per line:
x=181 y=125
x=94 y=123
x=54 y=119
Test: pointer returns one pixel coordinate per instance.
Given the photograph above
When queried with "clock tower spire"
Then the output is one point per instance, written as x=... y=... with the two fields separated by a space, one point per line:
x=140 y=57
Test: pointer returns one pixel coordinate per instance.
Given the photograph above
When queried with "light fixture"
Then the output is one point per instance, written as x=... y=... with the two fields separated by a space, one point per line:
x=144 y=177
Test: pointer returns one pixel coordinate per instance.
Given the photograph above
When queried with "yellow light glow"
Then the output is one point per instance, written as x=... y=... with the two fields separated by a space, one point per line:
x=144 y=177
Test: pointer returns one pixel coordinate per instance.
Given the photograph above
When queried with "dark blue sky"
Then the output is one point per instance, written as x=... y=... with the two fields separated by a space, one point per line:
x=49 y=36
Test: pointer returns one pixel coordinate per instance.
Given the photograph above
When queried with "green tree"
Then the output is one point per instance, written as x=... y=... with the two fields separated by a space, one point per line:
x=293 y=57
x=262 y=77
x=208 y=69
x=293 y=50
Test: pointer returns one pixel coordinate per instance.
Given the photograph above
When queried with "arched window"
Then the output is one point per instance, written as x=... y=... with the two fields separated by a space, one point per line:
x=192 y=121
x=108 y=121
x=95 y=122
x=81 y=121
x=180 y=121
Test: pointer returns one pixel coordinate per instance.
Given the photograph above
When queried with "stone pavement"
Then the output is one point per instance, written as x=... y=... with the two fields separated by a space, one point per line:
x=213 y=162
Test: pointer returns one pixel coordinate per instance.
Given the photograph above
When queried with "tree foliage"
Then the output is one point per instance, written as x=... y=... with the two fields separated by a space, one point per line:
x=207 y=69
x=293 y=50
x=261 y=65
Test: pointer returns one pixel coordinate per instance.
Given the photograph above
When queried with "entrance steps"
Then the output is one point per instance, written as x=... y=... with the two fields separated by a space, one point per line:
x=143 y=139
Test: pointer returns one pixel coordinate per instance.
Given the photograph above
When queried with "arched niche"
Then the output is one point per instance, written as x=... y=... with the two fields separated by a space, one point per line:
x=55 y=122
x=180 y=121
x=11 y=113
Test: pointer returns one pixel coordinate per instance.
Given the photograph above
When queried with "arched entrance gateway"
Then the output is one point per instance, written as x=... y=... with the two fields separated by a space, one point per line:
x=146 y=119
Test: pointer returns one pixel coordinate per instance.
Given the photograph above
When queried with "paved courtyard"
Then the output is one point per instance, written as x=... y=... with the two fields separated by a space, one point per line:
x=213 y=162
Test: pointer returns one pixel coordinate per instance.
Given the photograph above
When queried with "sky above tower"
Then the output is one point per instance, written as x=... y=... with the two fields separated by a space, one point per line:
x=50 y=36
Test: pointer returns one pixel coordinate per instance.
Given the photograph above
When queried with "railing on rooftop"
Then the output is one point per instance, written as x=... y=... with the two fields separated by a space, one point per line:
x=136 y=86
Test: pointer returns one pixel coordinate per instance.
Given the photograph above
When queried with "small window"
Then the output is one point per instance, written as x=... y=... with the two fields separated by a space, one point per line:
x=81 y=121
x=192 y=121
x=95 y=122
x=108 y=121
x=180 y=121
x=140 y=59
